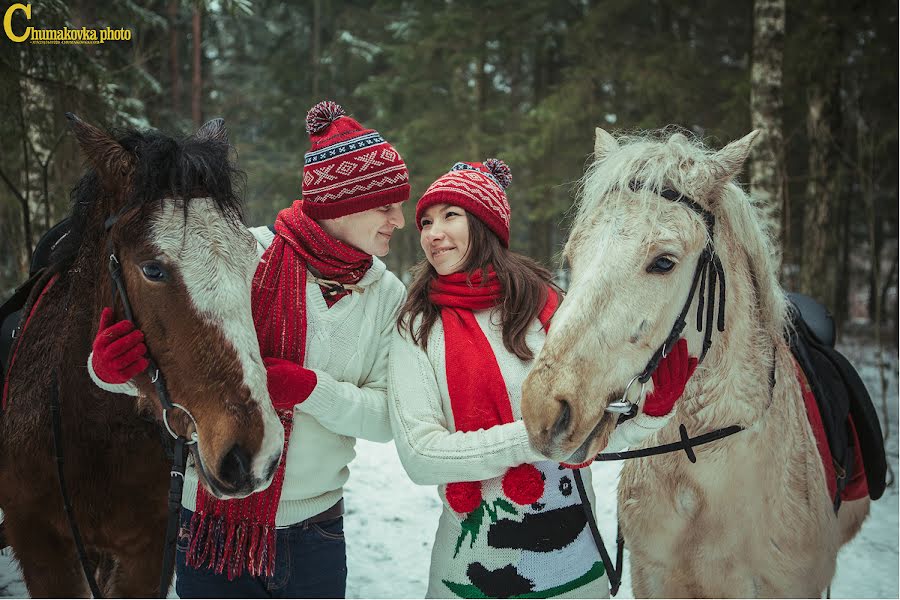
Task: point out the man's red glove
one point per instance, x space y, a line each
119 350
289 383
669 380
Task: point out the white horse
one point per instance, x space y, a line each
753 517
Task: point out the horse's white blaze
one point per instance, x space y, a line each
217 259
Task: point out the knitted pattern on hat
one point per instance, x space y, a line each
348 169
479 188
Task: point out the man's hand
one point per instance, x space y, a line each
119 352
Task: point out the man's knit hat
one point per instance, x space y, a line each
348 169
479 188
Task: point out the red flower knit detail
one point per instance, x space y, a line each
523 484
463 496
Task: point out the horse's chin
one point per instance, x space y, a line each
595 441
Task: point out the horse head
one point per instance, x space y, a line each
646 216
173 225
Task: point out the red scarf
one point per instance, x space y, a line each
478 395
233 535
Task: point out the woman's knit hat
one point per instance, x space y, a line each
348 169
479 188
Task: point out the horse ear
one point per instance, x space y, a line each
604 144
111 160
729 161
214 129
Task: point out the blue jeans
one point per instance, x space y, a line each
310 562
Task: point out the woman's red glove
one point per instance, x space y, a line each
669 380
289 383
119 350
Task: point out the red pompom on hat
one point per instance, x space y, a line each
463 496
479 188
348 169
523 484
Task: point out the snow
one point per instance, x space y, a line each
390 521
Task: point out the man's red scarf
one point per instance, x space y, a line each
230 536
478 395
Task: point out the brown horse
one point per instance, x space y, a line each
187 265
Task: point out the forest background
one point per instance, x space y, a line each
526 81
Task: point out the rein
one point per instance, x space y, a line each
179 458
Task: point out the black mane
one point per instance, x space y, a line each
165 168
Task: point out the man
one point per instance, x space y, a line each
325 353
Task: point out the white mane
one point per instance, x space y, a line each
668 159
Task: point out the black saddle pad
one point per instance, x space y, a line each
11 310
11 317
840 395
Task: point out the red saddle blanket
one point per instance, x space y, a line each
856 487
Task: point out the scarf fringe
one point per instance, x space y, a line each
231 548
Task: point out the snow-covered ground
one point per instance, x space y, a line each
390 521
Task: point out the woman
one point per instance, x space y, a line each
513 522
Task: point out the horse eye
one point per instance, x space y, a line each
662 264
153 271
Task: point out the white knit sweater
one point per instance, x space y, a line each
562 560
347 347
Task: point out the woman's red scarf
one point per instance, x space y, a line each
230 536
478 395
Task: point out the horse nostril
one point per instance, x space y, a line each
235 469
563 420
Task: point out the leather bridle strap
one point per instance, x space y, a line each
115 273
707 274
56 428
179 459
613 571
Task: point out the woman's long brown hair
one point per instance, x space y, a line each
523 284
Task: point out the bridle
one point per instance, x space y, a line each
179 452
176 473
156 376
709 277
707 274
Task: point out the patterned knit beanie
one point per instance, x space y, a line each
476 187
348 169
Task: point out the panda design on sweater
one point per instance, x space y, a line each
541 550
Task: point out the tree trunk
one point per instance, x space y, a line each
197 80
316 47
767 175
817 276
480 100
26 221
841 309
174 58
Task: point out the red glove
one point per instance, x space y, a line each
119 350
669 380
289 383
